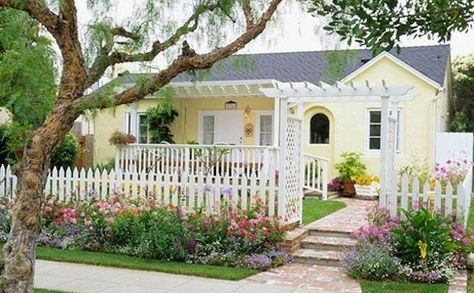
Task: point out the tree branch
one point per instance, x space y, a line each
247 9
104 60
122 32
183 63
37 10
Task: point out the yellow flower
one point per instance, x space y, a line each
423 249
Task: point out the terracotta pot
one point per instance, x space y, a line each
349 189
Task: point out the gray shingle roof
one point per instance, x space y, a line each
312 66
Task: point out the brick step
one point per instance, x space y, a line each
314 257
328 233
327 243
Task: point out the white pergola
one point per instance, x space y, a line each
296 94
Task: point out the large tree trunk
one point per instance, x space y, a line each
19 251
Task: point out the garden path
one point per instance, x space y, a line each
318 256
346 220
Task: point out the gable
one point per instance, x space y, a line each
392 70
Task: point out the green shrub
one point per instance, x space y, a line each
351 166
422 235
372 262
66 153
157 234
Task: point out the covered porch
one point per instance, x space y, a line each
275 174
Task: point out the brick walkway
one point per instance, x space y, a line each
459 285
316 277
311 277
346 220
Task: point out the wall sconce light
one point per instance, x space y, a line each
247 113
230 105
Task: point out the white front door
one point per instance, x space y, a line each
221 127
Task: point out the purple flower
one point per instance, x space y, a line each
258 261
227 191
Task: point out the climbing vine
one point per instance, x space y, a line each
160 118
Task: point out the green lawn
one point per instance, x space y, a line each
314 209
395 287
130 262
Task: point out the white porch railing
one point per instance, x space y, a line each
194 159
316 174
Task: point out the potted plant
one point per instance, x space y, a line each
349 169
367 186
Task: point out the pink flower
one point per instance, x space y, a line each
48 209
88 223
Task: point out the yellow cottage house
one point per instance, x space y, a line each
227 106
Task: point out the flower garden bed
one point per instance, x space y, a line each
145 228
423 247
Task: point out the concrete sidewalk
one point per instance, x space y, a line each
85 278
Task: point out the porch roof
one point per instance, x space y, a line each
219 89
305 92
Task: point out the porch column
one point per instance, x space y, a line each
383 152
300 115
276 122
283 123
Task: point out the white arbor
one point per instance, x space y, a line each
295 94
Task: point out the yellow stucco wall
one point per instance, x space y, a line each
185 126
420 119
350 126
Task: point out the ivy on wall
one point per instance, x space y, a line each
160 118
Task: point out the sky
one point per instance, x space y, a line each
294 30
298 31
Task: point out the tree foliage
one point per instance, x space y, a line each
66 153
463 78
27 79
27 72
381 24
172 29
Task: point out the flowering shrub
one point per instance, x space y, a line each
335 185
367 179
453 171
378 228
145 227
424 246
372 261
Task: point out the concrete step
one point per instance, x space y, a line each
327 233
314 257
327 243
309 193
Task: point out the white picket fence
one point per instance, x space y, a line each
446 199
194 191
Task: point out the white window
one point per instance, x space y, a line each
142 129
142 133
265 129
375 129
208 129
